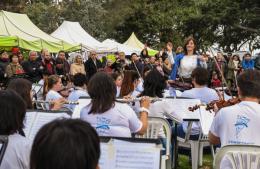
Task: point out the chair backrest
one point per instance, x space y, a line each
155 125
3 146
238 157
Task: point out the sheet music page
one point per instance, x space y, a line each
105 160
42 119
136 157
28 122
206 119
181 106
82 103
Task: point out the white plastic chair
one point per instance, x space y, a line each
155 124
238 157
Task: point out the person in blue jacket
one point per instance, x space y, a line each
187 62
248 62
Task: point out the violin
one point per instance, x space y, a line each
219 103
182 86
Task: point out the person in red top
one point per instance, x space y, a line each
48 64
215 82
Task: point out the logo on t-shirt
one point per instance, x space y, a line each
241 123
103 125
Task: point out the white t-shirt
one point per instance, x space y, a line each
75 95
17 153
187 65
170 57
119 121
52 95
205 94
238 124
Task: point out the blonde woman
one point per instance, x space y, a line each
77 66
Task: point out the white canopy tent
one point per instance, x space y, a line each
73 33
128 50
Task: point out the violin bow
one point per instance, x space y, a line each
222 75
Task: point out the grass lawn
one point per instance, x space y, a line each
184 162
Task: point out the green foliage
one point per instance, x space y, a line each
228 23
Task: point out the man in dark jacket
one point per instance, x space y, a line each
92 65
4 61
32 67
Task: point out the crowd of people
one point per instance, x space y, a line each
74 143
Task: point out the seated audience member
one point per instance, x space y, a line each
12 116
80 89
238 124
200 91
118 78
65 144
14 67
47 64
109 117
54 85
215 82
130 83
77 66
32 67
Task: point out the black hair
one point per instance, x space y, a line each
13 109
200 75
154 84
249 83
11 57
23 88
65 144
115 75
80 79
102 90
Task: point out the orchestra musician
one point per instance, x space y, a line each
237 124
109 117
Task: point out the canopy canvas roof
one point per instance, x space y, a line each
136 43
128 50
18 30
72 32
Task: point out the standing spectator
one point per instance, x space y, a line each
47 65
92 65
234 66
14 68
170 53
248 62
136 64
179 50
77 66
120 63
41 57
144 53
257 62
222 64
32 67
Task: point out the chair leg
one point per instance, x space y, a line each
194 154
201 145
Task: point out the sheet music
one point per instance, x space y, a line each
181 107
82 103
28 122
36 120
206 119
124 155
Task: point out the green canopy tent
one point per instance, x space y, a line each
18 30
